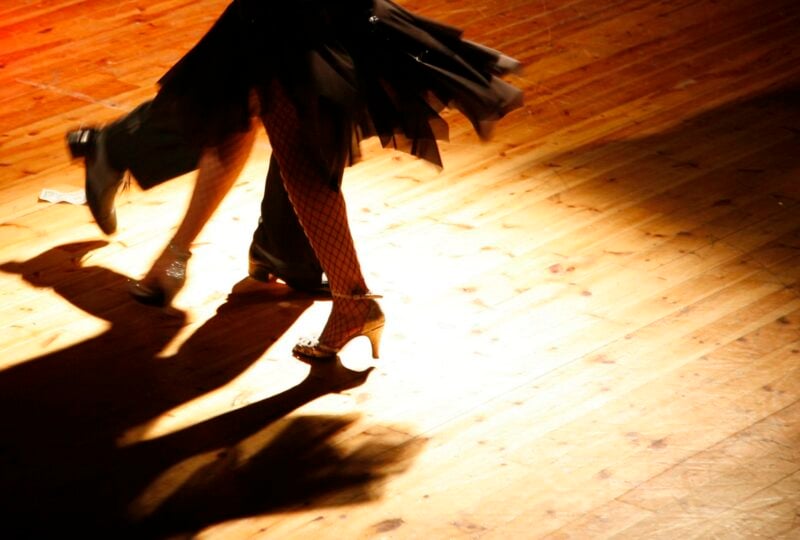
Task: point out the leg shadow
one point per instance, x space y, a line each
62 413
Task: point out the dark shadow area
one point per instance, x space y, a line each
64 472
718 162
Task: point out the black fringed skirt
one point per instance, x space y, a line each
388 72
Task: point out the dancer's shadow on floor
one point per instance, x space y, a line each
62 415
698 168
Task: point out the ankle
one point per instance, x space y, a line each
359 295
179 251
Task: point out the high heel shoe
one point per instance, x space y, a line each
371 328
165 279
102 181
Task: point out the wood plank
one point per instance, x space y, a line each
593 318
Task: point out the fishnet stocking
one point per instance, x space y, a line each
323 215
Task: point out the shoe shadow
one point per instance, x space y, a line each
63 414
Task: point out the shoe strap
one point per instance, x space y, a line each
364 296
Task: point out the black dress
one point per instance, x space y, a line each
386 71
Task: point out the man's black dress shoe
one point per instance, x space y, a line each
266 268
102 181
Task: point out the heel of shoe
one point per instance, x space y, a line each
259 272
81 142
373 326
374 337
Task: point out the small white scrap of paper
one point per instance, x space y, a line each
72 197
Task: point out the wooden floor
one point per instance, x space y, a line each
593 320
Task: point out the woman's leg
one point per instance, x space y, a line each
323 215
218 170
219 167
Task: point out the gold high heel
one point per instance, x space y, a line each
372 329
161 288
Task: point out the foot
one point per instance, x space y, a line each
102 181
165 279
350 318
261 267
